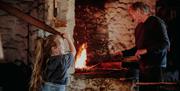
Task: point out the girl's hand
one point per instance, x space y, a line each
65 36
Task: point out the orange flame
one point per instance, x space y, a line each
81 57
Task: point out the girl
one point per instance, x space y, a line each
51 63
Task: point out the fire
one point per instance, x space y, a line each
81 57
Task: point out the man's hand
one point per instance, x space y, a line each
119 53
140 52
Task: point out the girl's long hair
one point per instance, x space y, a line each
42 53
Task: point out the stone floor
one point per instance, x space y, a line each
78 83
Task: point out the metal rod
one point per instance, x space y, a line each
155 83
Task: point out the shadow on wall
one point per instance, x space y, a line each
14 76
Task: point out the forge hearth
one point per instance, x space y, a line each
101 73
105 66
102 67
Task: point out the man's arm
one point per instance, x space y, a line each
160 38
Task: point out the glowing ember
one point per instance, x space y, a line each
81 57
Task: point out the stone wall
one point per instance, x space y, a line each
91 27
64 12
18 35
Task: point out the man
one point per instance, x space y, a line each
151 42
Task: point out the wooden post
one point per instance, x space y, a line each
1 49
